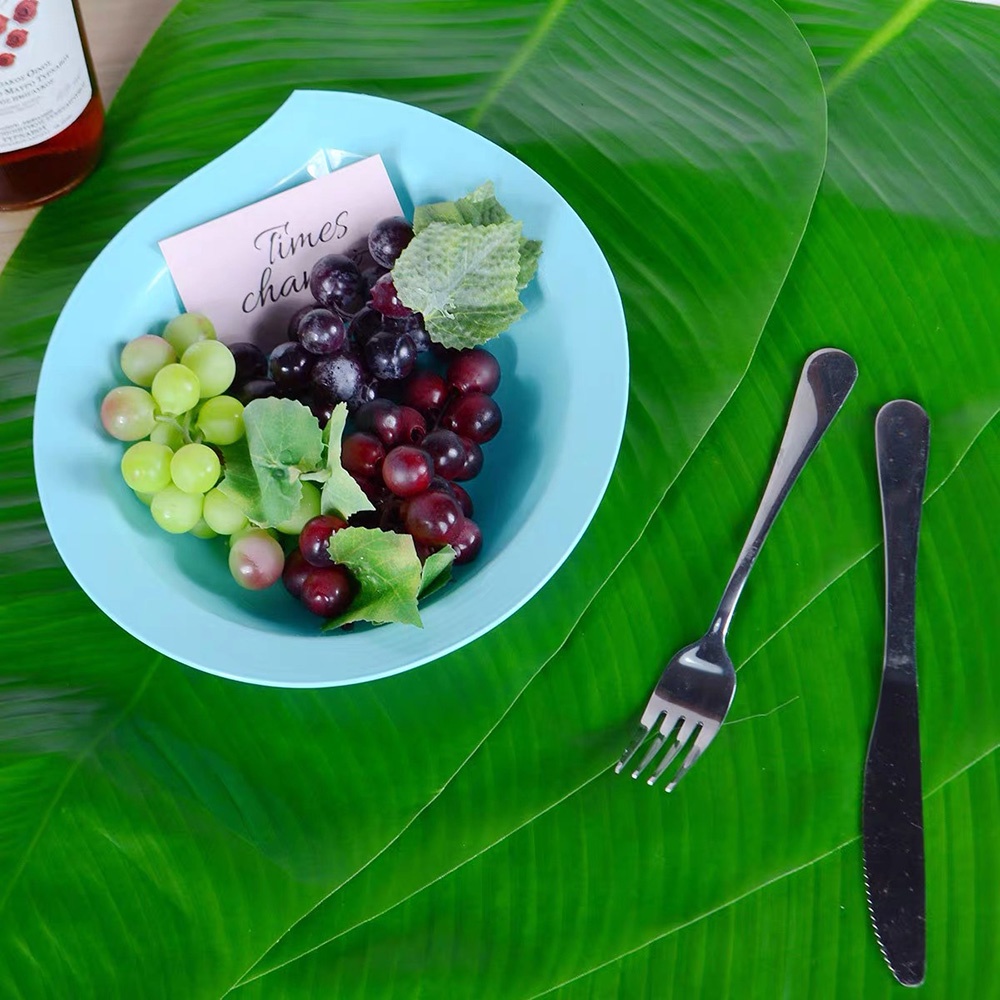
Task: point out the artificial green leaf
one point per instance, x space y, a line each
477 208
463 279
531 253
283 440
341 494
388 572
438 211
216 817
436 571
239 481
480 208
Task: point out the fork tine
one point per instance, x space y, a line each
683 735
637 741
654 749
701 742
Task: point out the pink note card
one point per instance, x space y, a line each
248 271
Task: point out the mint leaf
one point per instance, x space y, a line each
388 572
284 440
463 279
437 571
531 251
239 482
341 494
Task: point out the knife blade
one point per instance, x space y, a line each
892 813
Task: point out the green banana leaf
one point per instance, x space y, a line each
455 831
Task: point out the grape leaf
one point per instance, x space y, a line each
239 483
284 440
436 571
341 494
463 279
388 572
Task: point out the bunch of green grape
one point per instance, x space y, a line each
176 418
174 413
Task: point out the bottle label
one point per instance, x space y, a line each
44 83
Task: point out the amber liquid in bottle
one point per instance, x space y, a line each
37 173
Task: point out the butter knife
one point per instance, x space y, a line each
892 815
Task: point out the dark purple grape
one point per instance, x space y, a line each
372 272
475 416
448 452
441 485
364 326
462 496
412 427
256 388
295 319
295 572
475 370
314 539
473 460
328 592
390 356
434 518
290 365
368 392
383 418
388 239
322 408
336 283
467 543
339 378
407 471
251 362
420 337
385 298
322 332
361 454
426 391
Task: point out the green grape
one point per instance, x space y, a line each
214 365
202 529
176 390
127 413
187 329
146 466
146 498
167 432
307 509
222 515
176 511
143 357
195 468
220 420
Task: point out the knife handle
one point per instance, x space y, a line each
901 440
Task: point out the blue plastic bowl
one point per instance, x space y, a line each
563 397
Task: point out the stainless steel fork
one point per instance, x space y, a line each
694 693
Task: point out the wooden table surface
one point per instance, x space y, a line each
118 30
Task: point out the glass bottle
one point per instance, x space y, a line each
51 116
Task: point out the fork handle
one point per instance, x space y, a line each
826 381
